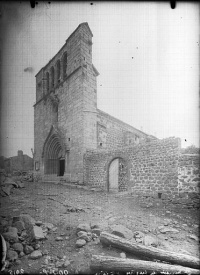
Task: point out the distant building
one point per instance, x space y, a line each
2 159
20 162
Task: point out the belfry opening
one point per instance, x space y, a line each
54 156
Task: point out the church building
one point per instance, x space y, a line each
67 121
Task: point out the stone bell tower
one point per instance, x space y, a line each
65 112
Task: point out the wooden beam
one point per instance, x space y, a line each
107 263
148 251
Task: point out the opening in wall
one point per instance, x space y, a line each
37 166
61 167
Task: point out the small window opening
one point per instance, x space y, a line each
58 72
69 139
65 65
100 144
37 166
52 77
47 77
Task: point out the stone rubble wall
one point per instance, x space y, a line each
188 173
113 133
152 167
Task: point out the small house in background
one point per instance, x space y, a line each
20 162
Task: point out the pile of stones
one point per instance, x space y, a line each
87 233
22 235
8 183
136 236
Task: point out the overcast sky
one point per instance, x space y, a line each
146 53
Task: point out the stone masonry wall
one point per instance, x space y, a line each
113 133
188 173
73 92
152 167
22 163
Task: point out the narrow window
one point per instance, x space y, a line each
56 109
52 77
58 71
47 79
65 65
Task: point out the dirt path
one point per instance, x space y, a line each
67 207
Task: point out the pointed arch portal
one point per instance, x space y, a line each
54 154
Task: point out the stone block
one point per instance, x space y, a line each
28 220
10 237
35 255
37 233
80 242
19 225
122 231
83 227
18 247
28 249
12 255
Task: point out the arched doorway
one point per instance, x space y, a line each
117 175
54 155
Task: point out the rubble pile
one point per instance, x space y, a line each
7 184
87 233
22 235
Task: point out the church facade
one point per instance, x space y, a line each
67 121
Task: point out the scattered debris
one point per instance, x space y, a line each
83 227
168 230
122 231
18 247
150 241
28 249
193 237
12 255
38 233
74 209
59 239
80 242
35 255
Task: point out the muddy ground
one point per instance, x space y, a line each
48 202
